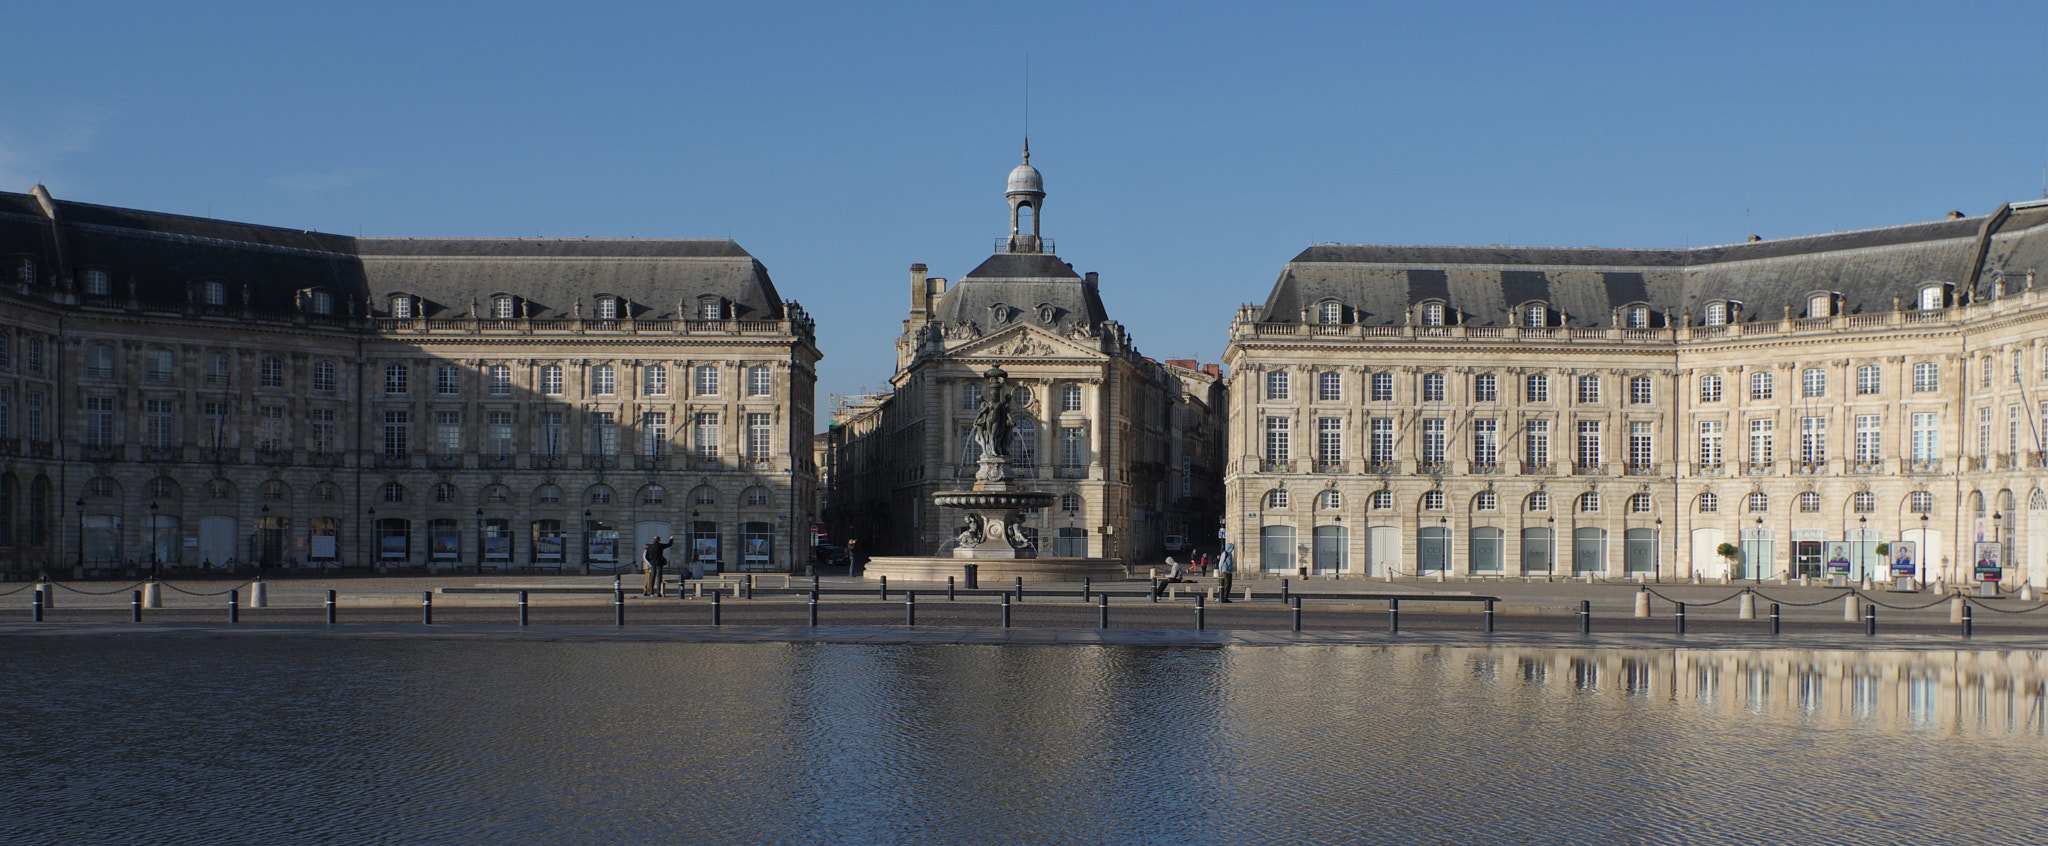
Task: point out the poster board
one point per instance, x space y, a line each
1905 559
1989 567
447 547
1837 558
323 546
548 547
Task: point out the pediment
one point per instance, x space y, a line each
1028 342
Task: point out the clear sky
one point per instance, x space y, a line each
1189 149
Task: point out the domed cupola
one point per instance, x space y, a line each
1026 191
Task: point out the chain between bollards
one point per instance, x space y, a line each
717 619
330 608
1102 610
523 605
426 608
1777 620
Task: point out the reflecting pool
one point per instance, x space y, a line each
247 740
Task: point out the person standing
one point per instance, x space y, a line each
1226 564
656 556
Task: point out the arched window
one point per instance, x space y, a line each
1759 503
102 487
1329 500
1589 502
322 302
1433 500
327 492
501 308
444 492
98 283
275 491
1432 314
220 489
1920 502
401 306
1820 305
1809 502
704 495
1865 502
1539 501
1535 316
393 492
497 493
1717 314
1639 503
598 495
1932 297
755 497
1709 504
653 495
1637 317
1381 500
607 308
162 487
1485 501
547 495
1276 498
213 293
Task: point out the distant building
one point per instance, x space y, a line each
1101 426
1501 411
201 392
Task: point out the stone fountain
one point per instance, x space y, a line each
993 537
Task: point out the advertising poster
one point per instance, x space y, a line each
498 547
1838 558
323 546
604 545
393 546
1988 568
548 548
1905 559
447 547
706 549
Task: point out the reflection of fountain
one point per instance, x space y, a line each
993 537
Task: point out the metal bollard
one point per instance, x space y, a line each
1102 610
39 604
1006 609
814 609
1489 616
746 587
885 588
330 608
259 594
426 608
1020 589
814 581
1283 590
1393 616
1585 616
1870 619
717 618
1679 615
949 588
910 608
1087 589
523 607
1777 621
1969 621
49 592
135 606
1297 615
1201 612
234 606
618 607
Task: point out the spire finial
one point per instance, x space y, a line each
1027 149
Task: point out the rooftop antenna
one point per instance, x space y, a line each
1027 110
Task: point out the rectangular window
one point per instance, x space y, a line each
604 432
1760 387
1710 443
324 432
270 373
1382 440
448 432
970 397
1589 443
704 440
1329 439
654 435
1070 397
707 381
501 380
604 380
1760 447
1710 389
160 365
1589 390
1640 441
395 378
397 433
1485 441
550 433
1329 386
323 376
1813 382
1073 447
99 361
217 368
1432 387
1984 433
1867 439
1382 387
447 380
1485 388
99 422
1276 385
1868 380
161 423
1926 378
1433 441
1813 439
270 428
1536 388
1926 436
1277 447
551 380
760 381
759 437
1536 443
34 423
1639 390
654 380
498 437
217 414
2012 430
6 412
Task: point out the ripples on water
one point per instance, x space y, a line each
277 741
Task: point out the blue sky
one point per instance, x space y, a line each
1189 149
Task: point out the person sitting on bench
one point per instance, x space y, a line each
1174 571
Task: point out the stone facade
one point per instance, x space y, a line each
211 392
1103 428
1624 413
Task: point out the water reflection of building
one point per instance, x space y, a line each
1500 411
1122 441
208 390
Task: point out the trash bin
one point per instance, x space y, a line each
971 575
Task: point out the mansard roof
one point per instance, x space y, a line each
1025 282
1867 268
658 276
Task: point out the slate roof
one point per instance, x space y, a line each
1023 283
1379 283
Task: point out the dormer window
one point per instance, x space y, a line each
710 308
401 307
1637 317
1432 314
501 307
213 293
321 302
98 283
607 308
1329 313
1535 316
1820 305
1717 314
1932 297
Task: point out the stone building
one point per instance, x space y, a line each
200 392
1099 425
1496 411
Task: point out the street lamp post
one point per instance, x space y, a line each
1863 537
586 541
479 542
1656 553
1920 566
155 561
81 537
